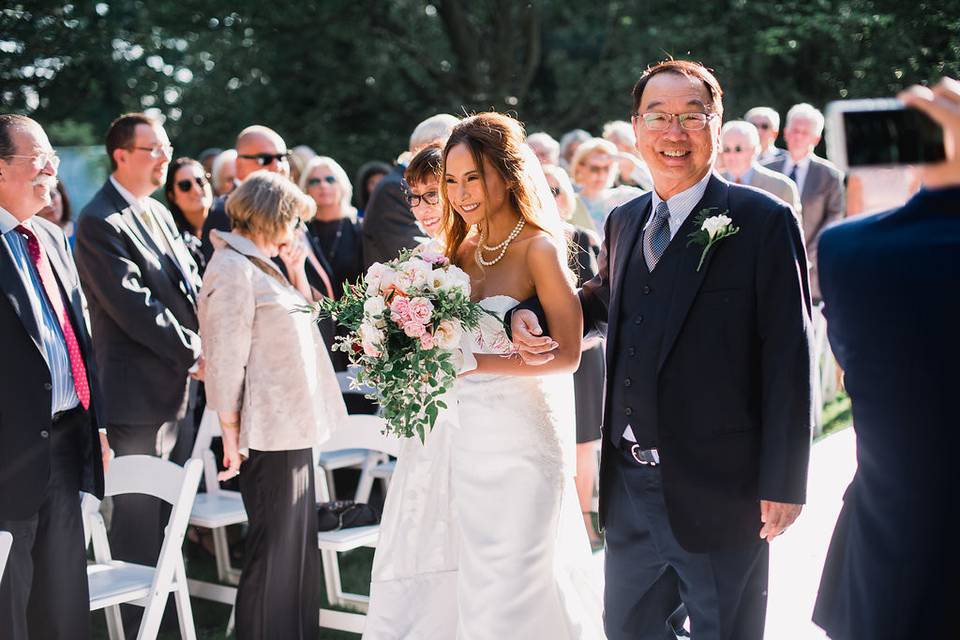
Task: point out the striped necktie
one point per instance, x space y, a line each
657 237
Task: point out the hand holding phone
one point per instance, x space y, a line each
942 104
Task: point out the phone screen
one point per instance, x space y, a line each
891 137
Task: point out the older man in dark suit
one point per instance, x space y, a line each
820 183
49 446
142 285
702 295
890 288
388 224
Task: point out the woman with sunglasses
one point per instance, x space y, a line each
594 170
189 197
334 229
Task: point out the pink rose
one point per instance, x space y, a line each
400 310
420 310
434 257
426 340
414 329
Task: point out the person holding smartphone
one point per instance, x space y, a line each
890 284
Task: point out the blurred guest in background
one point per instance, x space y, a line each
334 227
588 379
300 155
633 170
740 147
819 182
270 380
59 211
568 145
189 197
388 224
369 176
594 170
767 122
422 178
546 148
224 173
207 157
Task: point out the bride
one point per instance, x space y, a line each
524 569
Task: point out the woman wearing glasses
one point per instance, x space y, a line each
270 380
189 197
334 228
594 170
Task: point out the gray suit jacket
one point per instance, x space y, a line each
143 309
823 204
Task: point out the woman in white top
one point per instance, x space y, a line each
594 171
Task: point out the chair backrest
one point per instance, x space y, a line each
6 541
361 431
150 476
208 429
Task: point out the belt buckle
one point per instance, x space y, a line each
635 452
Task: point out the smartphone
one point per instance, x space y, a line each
880 132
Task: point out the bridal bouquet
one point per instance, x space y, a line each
406 320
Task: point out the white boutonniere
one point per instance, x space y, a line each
711 229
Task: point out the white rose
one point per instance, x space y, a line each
448 333
374 306
437 280
715 224
456 278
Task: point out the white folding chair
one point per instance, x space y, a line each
113 582
366 432
6 541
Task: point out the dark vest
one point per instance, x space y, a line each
642 323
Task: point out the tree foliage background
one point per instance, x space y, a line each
352 77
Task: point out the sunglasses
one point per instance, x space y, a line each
186 185
313 182
555 191
736 149
266 159
762 125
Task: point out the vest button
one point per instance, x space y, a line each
628 411
48 386
631 352
627 382
44 434
638 320
646 289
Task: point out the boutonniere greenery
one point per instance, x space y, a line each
711 229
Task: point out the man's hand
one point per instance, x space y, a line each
196 372
942 103
105 453
534 348
776 517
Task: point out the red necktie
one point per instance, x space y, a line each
49 282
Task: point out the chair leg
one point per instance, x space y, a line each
184 611
152 616
331 486
331 577
221 551
114 623
232 621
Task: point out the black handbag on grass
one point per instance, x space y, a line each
345 514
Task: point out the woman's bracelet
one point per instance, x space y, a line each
235 426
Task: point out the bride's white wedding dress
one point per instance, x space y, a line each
525 569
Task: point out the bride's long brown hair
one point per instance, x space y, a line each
498 138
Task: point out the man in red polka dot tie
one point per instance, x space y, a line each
50 449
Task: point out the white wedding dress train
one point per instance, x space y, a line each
525 568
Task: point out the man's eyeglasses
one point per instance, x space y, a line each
157 150
266 159
313 182
555 191
657 121
736 149
186 185
414 200
41 159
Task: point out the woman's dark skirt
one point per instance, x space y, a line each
588 389
279 592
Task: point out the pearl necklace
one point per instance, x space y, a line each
502 247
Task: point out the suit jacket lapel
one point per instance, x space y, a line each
180 259
688 278
14 291
627 239
67 285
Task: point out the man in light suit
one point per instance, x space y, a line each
49 446
890 284
767 122
707 413
142 286
820 183
740 147
388 224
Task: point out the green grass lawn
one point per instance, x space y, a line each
836 415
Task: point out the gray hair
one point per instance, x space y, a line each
343 181
222 159
546 142
743 128
9 122
619 130
570 138
764 112
436 128
808 112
